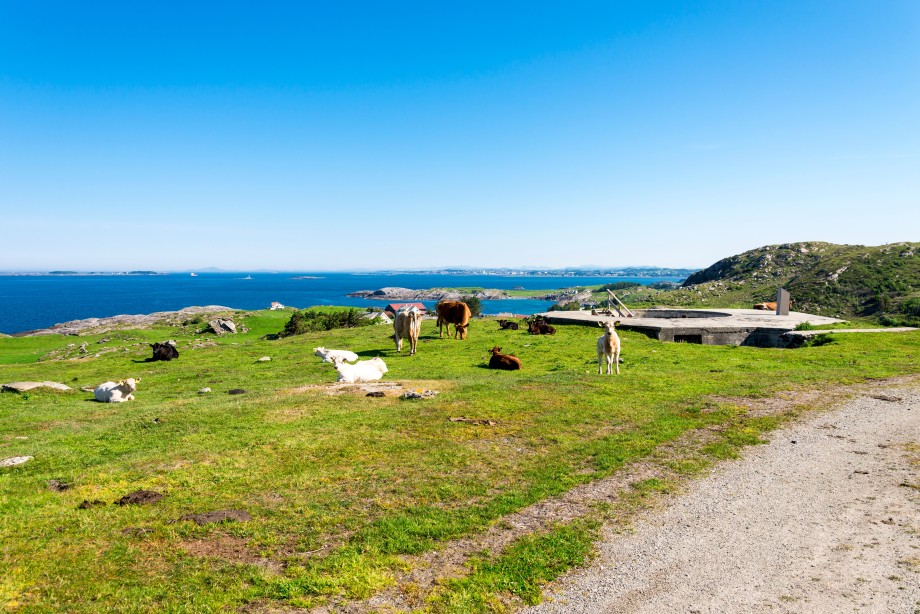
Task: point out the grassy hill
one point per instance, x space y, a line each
823 278
410 502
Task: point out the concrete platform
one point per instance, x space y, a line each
707 326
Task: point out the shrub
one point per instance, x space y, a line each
818 340
474 304
911 307
898 320
311 320
570 306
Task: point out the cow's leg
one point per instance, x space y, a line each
398 343
600 363
616 360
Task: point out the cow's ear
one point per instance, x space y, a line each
617 323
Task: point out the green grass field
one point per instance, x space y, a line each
348 493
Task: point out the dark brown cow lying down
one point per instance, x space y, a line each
503 361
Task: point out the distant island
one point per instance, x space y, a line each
73 273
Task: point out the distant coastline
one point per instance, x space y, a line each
641 272
38 301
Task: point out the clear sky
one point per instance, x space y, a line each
338 135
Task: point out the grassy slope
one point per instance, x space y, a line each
823 278
341 488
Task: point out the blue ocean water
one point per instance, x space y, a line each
29 302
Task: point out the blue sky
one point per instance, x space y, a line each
343 135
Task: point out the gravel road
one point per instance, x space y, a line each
825 518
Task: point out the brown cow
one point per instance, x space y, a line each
770 306
456 313
538 326
503 361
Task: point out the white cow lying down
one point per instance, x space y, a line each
364 371
110 392
329 355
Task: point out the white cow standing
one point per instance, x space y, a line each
408 323
608 347
110 392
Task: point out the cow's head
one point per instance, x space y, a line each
495 350
461 328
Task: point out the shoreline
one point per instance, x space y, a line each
121 322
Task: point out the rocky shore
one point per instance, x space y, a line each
122 322
440 294
433 294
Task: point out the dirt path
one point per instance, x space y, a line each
825 518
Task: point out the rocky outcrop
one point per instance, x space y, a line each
124 322
567 296
433 294
221 326
26 386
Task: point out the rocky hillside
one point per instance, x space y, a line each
823 278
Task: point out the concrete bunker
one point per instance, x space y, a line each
748 327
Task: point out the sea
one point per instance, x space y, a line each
30 302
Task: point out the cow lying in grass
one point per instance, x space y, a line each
164 351
507 325
110 392
539 326
503 361
331 355
769 305
364 371
608 347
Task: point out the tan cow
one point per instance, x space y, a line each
408 323
608 347
456 313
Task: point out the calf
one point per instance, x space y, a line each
608 347
408 323
364 371
507 325
330 355
164 351
503 361
538 326
110 392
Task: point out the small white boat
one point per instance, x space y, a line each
194 274
247 277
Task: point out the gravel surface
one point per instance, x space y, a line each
825 518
